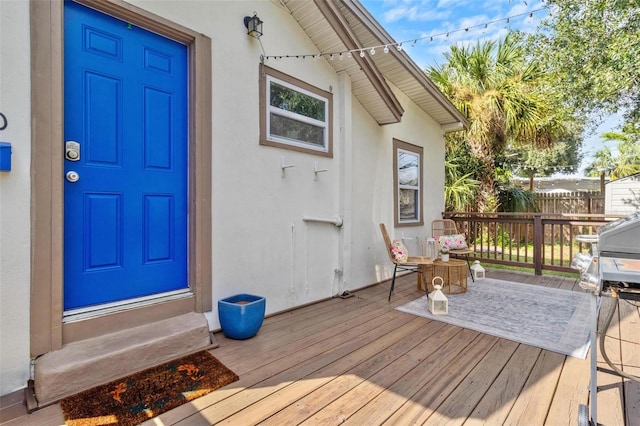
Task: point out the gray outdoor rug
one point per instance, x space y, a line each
548 318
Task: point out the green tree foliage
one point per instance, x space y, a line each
514 199
590 51
461 188
563 157
626 163
496 86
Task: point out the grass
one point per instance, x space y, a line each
530 270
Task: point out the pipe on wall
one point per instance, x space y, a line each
337 221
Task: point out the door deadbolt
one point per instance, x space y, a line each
72 150
72 176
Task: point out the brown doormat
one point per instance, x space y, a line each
141 396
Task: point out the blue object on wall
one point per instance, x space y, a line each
241 315
5 156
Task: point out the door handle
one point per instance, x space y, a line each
72 176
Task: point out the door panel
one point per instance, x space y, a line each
126 216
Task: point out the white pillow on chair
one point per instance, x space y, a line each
399 251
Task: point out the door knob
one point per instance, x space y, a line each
72 176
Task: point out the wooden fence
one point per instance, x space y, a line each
589 202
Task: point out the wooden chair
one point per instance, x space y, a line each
413 263
448 227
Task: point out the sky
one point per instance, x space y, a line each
437 24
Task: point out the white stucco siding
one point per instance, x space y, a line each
261 245
373 186
15 197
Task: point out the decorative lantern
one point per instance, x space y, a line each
478 270
254 25
438 302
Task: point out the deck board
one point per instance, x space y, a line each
359 361
630 332
610 392
458 406
497 402
536 396
438 345
338 384
571 391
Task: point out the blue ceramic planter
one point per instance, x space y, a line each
241 315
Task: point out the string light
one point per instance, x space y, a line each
399 45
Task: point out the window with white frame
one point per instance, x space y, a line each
294 115
407 177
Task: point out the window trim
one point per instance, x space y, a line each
398 146
267 75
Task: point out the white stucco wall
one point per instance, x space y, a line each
261 245
14 196
373 186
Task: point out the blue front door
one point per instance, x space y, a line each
126 151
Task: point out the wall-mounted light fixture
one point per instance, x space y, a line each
254 25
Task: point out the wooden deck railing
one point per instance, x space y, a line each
532 240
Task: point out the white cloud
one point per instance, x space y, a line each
408 20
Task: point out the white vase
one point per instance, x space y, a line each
444 257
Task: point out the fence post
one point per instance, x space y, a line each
537 243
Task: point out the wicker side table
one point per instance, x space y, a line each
453 274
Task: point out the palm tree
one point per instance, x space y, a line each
627 162
494 85
460 188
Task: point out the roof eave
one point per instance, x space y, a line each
348 38
356 8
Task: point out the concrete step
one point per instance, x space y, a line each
82 365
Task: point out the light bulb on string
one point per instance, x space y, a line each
400 45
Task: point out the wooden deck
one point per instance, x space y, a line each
359 361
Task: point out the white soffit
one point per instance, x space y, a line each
327 29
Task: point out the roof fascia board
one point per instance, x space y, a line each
345 33
403 58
